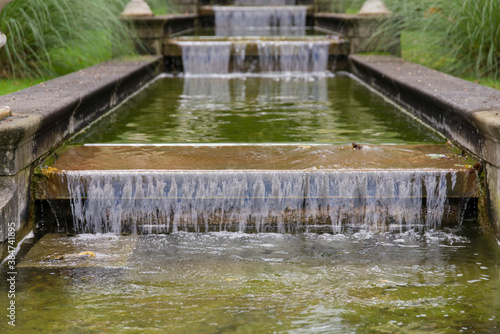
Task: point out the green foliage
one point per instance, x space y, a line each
47 38
457 37
472 34
8 86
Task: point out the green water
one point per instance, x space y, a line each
260 283
258 109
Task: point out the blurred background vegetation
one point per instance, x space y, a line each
459 37
49 38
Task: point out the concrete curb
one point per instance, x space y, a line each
466 112
45 115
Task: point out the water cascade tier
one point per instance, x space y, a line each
258 20
279 188
264 2
219 56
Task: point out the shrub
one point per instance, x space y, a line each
55 37
462 37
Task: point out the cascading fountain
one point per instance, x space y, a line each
293 149
285 47
253 20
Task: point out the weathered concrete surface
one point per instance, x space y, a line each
151 31
361 31
45 115
467 113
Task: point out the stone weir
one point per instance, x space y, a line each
216 55
248 188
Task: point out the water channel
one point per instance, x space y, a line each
400 269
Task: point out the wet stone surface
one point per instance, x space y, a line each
262 157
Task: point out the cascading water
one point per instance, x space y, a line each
293 56
204 58
259 21
338 201
200 57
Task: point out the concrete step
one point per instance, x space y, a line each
162 188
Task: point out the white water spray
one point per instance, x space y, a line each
335 201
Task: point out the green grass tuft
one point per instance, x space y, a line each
55 37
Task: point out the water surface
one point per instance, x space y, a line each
320 108
437 282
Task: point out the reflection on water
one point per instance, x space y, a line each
256 109
261 283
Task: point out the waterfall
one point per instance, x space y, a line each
205 57
274 56
239 21
335 201
293 56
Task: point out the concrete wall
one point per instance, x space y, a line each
467 113
46 115
362 31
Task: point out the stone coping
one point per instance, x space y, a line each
160 18
47 114
465 112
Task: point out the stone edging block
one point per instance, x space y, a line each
466 112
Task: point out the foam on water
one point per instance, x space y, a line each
262 20
333 201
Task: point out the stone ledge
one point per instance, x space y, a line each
362 31
466 112
47 114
